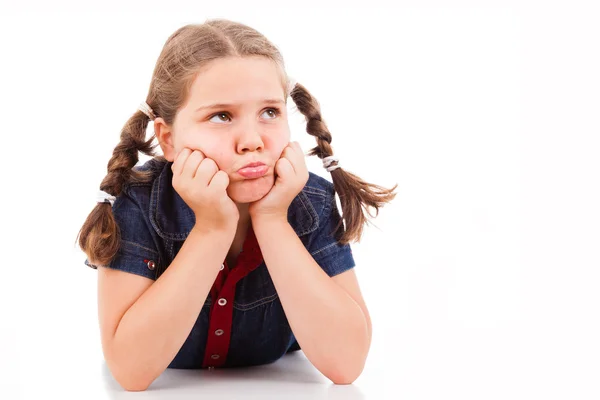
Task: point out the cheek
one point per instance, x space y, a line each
280 144
209 149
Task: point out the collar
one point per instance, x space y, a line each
173 219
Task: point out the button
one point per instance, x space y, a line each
219 332
215 356
222 301
222 267
151 265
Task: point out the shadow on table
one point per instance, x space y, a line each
290 377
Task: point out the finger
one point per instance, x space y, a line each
284 168
219 181
179 162
295 144
191 164
205 171
295 148
291 154
301 153
300 161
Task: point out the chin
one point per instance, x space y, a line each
250 190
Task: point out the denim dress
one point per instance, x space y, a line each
242 322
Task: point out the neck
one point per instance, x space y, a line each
244 220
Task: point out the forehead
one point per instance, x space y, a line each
236 80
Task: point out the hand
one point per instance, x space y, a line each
291 175
203 187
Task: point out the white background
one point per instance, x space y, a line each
481 277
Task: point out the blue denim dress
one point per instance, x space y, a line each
154 222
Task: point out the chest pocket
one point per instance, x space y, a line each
251 291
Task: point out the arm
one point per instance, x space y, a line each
154 328
329 325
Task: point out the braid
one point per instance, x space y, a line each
315 126
354 193
99 237
125 155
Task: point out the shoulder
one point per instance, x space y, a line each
323 243
318 186
140 192
312 205
321 194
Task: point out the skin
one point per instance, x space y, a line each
328 315
249 130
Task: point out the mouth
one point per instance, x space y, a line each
253 164
253 172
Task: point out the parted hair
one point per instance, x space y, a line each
185 52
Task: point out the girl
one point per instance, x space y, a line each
226 251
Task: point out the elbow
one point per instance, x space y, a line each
349 369
345 378
131 385
129 376
346 374
337 381
130 382
134 387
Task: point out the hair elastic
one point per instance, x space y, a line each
104 197
145 108
327 161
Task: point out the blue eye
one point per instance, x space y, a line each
276 113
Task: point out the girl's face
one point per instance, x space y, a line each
235 114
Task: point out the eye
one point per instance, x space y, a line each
275 112
218 114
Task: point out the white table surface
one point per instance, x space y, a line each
55 350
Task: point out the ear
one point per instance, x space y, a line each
164 135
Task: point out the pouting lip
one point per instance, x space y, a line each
253 164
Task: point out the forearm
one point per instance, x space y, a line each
328 324
155 327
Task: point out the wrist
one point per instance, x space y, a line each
269 220
222 230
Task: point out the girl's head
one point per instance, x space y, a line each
235 113
222 61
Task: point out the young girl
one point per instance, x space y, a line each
226 251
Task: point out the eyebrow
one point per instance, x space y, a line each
228 105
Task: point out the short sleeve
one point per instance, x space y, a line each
137 252
333 257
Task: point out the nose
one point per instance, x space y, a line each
250 140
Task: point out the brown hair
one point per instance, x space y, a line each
185 52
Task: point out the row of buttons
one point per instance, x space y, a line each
151 265
219 332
